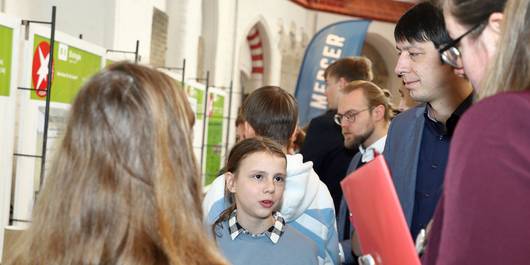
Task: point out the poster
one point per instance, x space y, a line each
9 35
71 69
74 62
6 52
215 135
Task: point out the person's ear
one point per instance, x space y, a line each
495 22
492 33
230 182
379 112
248 131
342 83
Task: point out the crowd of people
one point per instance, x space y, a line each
125 188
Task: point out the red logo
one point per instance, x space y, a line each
39 71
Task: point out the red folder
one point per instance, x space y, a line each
377 215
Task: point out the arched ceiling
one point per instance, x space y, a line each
383 10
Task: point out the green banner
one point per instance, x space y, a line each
6 51
72 68
214 143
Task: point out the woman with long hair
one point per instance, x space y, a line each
484 212
124 187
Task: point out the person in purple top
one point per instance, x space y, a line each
484 212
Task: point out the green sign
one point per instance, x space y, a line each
72 68
6 50
109 62
214 143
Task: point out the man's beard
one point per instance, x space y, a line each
358 140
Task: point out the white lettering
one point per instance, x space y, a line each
319 87
2 70
67 75
320 75
324 63
1 61
331 52
319 101
74 57
335 40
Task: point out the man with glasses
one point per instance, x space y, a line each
323 141
418 140
364 113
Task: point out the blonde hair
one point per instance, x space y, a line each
374 95
510 68
124 187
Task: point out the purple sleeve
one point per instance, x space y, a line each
484 214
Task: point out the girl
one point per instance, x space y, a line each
124 187
250 231
484 212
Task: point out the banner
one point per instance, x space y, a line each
335 41
9 36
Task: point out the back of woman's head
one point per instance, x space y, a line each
510 69
124 187
473 12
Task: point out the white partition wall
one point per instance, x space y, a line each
75 61
9 36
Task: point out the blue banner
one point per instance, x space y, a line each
335 41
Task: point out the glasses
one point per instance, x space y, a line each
349 116
450 54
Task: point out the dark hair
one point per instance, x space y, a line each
272 113
239 118
473 12
350 68
239 152
421 23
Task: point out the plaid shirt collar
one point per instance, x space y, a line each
273 233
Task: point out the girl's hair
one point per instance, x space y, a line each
124 187
510 68
473 12
239 152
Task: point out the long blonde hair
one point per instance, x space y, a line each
124 187
510 68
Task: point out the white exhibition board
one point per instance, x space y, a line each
75 61
215 135
9 37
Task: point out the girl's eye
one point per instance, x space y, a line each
279 178
258 176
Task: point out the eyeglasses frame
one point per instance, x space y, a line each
337 118
452 45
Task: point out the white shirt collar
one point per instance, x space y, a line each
368 153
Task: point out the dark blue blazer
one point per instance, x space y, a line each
402 149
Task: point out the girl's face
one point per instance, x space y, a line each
258 187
